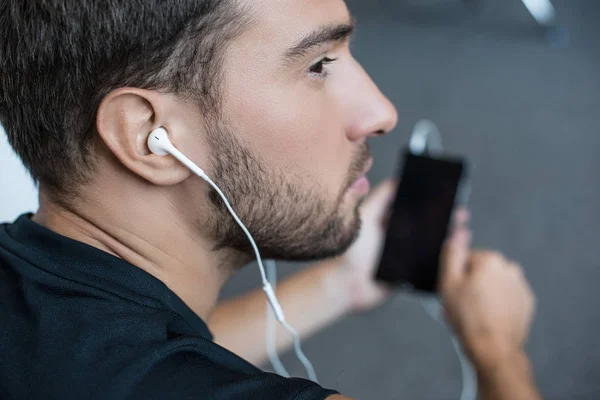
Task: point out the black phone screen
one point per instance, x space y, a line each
419 221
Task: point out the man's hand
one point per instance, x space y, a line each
359 263
486 297
490 305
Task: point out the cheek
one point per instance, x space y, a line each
301 134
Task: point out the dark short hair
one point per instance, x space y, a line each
59 58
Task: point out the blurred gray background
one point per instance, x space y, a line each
526 114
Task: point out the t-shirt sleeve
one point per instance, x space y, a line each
189 376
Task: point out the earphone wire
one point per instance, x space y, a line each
271 332
271 336
267 288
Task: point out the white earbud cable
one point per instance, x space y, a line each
267 288
433 308
426 137
271 336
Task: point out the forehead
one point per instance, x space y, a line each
277 22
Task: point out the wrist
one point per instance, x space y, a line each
489 353
504 373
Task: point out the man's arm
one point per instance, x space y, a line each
500 377
311 299
490 306
507 377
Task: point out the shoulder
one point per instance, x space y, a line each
188 373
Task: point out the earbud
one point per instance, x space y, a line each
159 143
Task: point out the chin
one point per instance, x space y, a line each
311 234
331 242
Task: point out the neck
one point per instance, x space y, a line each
165 245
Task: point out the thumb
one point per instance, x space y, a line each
453 260
377 204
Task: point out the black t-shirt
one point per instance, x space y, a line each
79 323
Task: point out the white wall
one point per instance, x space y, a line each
18 194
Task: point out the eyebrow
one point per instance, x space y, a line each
325 34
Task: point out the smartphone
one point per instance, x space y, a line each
430 188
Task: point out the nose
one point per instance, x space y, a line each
372 113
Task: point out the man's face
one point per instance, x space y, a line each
290 144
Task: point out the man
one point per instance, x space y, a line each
108 289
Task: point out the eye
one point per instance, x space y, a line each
318 68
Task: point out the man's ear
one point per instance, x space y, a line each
124 120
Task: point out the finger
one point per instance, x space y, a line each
485 259
461 232
454 257
513 265
461 217
487 256
378 202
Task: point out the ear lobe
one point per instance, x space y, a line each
124 120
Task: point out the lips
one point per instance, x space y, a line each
361 184
365 169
